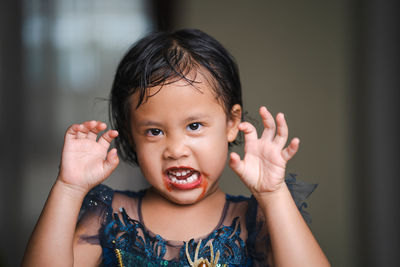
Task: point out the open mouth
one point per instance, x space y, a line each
183 177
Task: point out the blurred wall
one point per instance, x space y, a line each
12 110
294 57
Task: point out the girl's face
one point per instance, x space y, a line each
181 136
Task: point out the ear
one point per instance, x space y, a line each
234 119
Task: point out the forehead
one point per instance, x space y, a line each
199 84
177 99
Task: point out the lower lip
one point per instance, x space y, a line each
186 186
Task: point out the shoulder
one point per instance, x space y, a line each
100 204
129 201
103 200
97 200
99 194
242 206
237 206
106 194
239 198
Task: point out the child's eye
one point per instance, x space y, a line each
194 126
153 132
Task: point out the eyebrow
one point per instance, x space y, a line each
198 117
149 123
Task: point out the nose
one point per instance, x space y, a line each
175 148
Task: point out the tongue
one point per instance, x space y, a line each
184 177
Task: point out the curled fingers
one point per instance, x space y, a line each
111 161
75 132
94 128
282 130
269 124
249 131
107 137
236 163
291 149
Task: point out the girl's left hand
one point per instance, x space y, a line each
263 166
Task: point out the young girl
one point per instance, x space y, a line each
176 106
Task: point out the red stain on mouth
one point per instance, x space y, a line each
167 185
200 183
182 178
203 186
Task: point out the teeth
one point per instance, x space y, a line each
190 179
178 174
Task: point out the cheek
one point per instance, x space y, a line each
146 158
212 151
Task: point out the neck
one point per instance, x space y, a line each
153 197
182 222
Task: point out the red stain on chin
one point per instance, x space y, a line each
167 185
203 185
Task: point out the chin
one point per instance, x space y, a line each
185 197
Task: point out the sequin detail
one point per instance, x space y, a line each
119 256
201 262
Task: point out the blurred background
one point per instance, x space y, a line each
331 66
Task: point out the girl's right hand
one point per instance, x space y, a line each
85 160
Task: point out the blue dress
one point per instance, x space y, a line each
239 239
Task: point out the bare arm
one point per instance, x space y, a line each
263 172
85 163
292 242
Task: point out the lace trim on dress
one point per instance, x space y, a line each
136 246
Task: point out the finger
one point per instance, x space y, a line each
281 130
111 162
81 132
250 132
291 149
236 163
94 127
72 131
269 124
106 138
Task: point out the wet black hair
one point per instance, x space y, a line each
162 58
